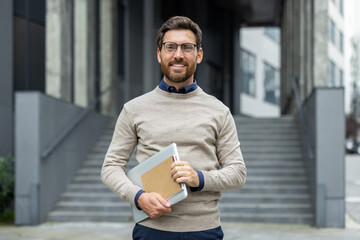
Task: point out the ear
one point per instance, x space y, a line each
200 55
158 56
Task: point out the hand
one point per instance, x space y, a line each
153 204
182 172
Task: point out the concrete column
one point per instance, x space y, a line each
6 76
84 47
59 49
151 66
107 56
320 39
134 50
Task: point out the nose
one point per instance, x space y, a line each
179 53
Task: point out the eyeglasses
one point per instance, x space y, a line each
171 48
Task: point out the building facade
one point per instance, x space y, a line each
336 43
312 48
260 72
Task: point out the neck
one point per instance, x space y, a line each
179 85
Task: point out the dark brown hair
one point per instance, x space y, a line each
179 23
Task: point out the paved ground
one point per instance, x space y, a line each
233 231
353 186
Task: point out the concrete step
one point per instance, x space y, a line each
89 171
271 155
271 164
105 138
120 206
89 188
271 149
87 179
273 143
264 198
274 189
276 172
273 130
265 208
89 197
248 127
288 218
270 137
87 216
241 122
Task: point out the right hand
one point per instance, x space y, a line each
153 204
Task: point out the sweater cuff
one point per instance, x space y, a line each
137 198
201 183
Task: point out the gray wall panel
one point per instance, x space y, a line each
39 182
325 120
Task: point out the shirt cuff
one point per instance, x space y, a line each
137 198
201 183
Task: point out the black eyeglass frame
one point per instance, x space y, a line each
181 45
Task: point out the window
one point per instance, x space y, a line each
341 77
331 31
341 7
273 33
248 72
271 84
332 73
341 42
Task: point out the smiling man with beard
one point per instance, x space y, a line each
178 111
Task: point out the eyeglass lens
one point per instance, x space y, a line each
187 48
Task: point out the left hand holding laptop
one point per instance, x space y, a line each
153 204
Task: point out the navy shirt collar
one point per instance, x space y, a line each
172 89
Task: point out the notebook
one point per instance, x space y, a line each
154 175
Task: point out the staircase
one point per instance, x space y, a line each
87 199
276 190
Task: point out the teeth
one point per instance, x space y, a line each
178 65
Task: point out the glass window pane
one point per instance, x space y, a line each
332 73
341 42
248 73
271 84
331 31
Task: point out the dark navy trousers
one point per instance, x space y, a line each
145 233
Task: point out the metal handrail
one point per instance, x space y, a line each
76 120
302 117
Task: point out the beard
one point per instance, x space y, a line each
177 77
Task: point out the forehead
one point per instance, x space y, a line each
180 36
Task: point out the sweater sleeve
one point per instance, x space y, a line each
232 174
122 144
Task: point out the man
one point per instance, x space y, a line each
178 111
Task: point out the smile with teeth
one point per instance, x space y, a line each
177 66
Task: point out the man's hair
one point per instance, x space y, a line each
179 23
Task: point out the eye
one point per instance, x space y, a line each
171 46
188 47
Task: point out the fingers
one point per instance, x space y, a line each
153 204
182 172
162 201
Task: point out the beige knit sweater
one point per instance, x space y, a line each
205 133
